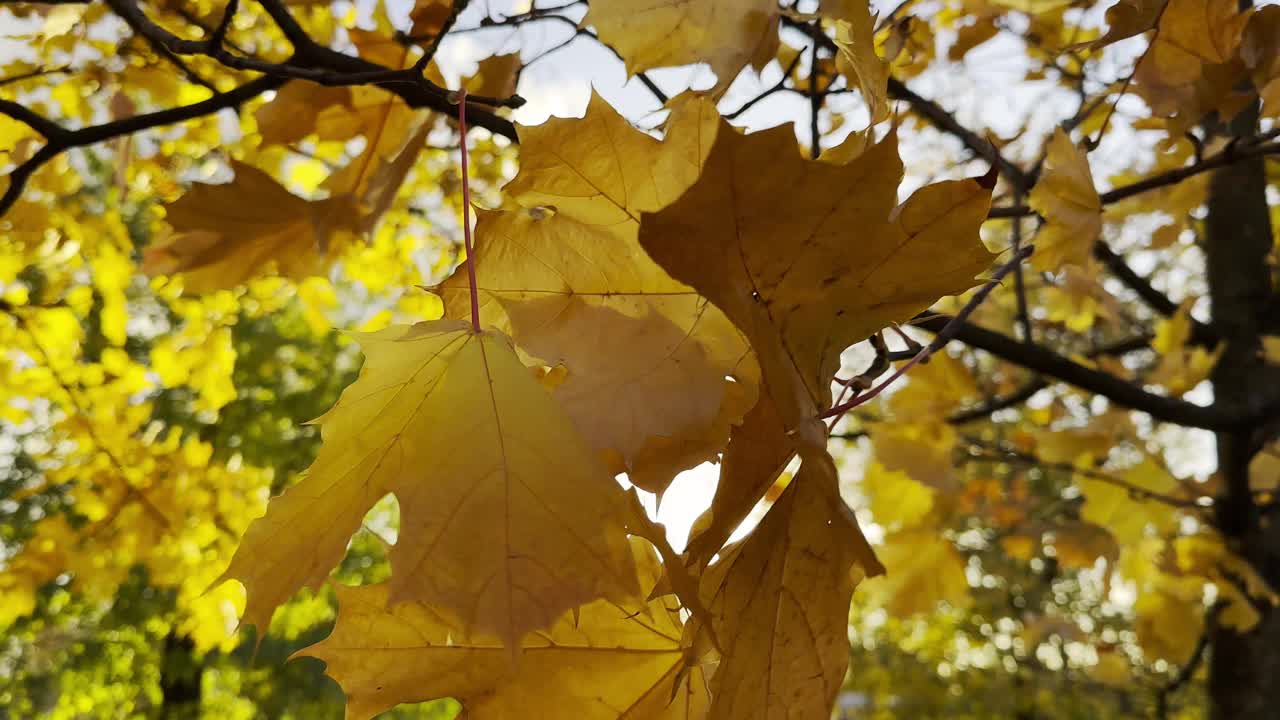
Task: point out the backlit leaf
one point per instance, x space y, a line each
780 600
224 234
1066 198
725 34
858 61
808 257
602 662
455 426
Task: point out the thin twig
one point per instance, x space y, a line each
466 213
1188 668
1042 360
1019 283
1233 153
1005 454
943 336
815 102
777 87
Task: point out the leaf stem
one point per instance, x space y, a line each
941 339
466 212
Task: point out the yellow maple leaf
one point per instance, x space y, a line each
601 171
429 17
1241 588
934 390
725 34
1260 52
1079 545
575 289
897 501
1182 366
636 666
1126 19
804 264
459 430
1066 198
395 132
857 59
224 234
1191 35
758 452
1264 470
589 299
294 112
797 283
496 76
780 602
1112 669
922 570
1169 621
923 450
1114 506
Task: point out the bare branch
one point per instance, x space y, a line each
1042 360
325 66
1188 668
1232 154
61 139
982 451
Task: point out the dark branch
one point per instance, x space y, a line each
1201 334
1042 360
1188 668
1232 154
323 65
61 139
219 34
996 404
38 72
979 450
163 51
31 118
984 410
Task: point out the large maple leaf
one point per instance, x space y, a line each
808 258
225 233
601 663
780 600
1066 198
508 519
573 287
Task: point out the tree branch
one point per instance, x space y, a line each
1003 453
1233 153
319 64
60 139
1201 333
1042 360
1188 668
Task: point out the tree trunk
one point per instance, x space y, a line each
179 679
1244 671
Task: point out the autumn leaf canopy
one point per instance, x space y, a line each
363 336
